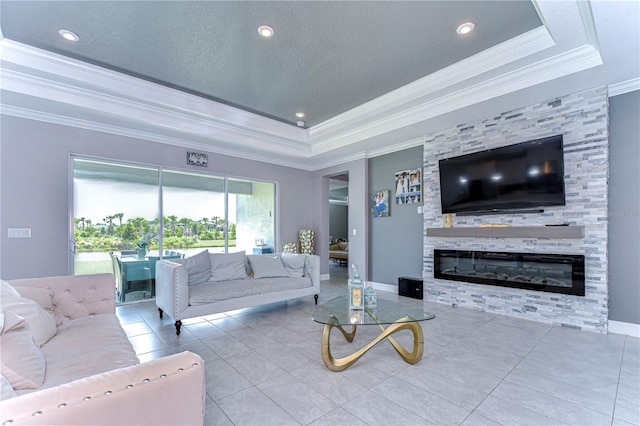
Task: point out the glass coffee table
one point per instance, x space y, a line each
389 316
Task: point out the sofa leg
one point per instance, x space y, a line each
178 325
315 296
160 311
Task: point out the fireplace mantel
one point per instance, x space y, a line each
553 232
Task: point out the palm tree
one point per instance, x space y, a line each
119 217
205 222
173 220
186 226
109 220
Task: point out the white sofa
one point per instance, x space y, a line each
210 283
66 360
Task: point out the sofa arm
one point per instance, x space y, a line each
172 288
77 296
312 269
169 390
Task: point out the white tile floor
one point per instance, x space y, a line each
263 367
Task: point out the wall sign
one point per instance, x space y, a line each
197 159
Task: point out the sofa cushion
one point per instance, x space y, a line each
198 267
40 323
267 266
21 361
205 293
87 346
294 263
228 266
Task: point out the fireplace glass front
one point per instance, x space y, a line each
556 273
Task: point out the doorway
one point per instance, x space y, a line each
338 220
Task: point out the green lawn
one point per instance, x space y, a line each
213 243
93 267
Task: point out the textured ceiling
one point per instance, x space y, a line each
325 58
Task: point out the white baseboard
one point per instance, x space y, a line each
385 287
626 328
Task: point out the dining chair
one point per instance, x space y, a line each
117 272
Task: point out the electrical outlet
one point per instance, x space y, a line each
18 232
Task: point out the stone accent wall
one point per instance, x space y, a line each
582 119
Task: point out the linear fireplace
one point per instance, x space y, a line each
556 273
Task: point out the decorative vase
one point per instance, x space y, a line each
290 248
448 220
307 239
142 252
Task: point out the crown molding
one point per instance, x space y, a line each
576 60
624 87
69 81
390 149
505 53
84 124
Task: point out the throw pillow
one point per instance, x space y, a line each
10 321
267 266
198 267
228 266
22 362
294 263
42 296
40 323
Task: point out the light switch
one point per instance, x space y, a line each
419 209
354 231
19 233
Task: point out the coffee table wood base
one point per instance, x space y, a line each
341 364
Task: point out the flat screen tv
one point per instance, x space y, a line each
527 175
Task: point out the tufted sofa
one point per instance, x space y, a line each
210 283
67 360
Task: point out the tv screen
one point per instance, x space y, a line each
522 176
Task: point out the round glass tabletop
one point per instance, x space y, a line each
387 312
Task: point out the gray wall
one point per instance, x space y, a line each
395 243
338 221
624 207
34 163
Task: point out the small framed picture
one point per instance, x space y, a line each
380 204
197 159
409 186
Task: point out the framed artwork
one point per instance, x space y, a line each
197 159
380 204
409 186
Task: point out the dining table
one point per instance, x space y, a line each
138 273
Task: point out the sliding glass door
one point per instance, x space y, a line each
126 217
194 213
115 207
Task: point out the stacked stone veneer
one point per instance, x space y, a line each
582 119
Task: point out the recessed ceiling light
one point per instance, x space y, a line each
266 31
300 114
69 35
300 123
465 28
